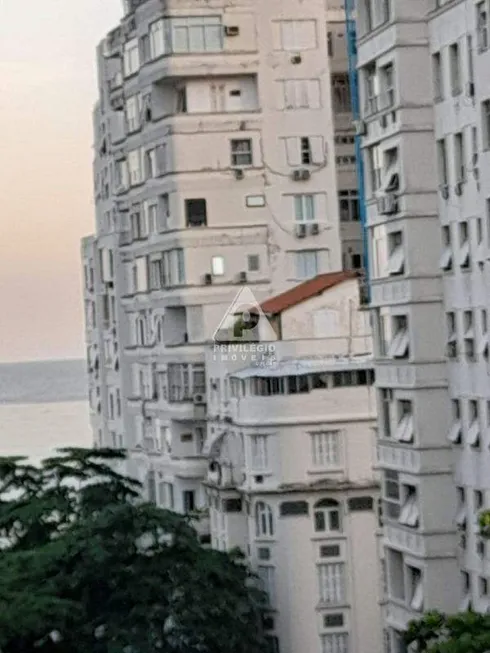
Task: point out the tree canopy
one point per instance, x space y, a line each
86 567
466 632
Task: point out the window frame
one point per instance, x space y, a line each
241 152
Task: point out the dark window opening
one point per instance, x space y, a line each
196 213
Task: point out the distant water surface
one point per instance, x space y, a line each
43 406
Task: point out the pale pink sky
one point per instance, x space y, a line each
47 89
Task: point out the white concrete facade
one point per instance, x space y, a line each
291 447
223 157
424 74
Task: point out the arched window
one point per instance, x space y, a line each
264 520
327 516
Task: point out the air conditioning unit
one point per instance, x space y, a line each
199 399
314 229
387 204
301 174
360 127
296 59
300 230
458 188
232 30
242 277
207 279
239 174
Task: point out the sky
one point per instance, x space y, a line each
47 91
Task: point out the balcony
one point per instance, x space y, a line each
398 616
194 468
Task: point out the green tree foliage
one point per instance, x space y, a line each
466 632
86 567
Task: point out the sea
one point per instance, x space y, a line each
43 406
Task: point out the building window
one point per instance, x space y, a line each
482 26
173 264
264 520
299 94
306 264
196 213
327 516
400 343
391 494
297 35
375 166
455 69
438 77
305 151
473 433
446 262
485 114
341 100
217 266
416 589
464 246
181 99
267 583
188 500
371 89
386 396
150 164
325 448
158 45
241 152
135 167
260 460
396 253
304 208
335 643
349 206
331 581
482 586
197 34
253 263
387 79
452 338
133 112
442 162
131 57
409 513
405 428
459 158
456 431
185 380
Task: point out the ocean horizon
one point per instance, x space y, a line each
43 407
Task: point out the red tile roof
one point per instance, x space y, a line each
306 290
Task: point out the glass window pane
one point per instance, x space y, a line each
179 39
320 521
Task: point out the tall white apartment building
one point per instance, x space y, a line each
223 157
291 449
424 78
